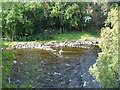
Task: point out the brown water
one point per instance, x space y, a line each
40 68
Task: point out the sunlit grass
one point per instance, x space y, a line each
89 35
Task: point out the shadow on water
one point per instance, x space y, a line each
40 68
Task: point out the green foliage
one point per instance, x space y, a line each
98 13
7 62
26 19
46 35
106 69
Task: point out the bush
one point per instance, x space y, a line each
45 35
106 67
48 34
7 62
32 37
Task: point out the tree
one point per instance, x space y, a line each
31 19
106 69
12 19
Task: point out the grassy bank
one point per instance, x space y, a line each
85 35
89 35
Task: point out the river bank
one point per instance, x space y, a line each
47 46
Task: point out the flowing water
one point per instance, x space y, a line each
39 68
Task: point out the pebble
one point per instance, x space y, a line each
56 73
15 62
67 64
53 44
84 83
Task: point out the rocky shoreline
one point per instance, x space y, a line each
47 46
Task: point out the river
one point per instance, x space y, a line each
38 68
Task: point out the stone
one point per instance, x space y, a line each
47 46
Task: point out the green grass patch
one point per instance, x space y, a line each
88 34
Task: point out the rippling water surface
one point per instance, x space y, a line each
40 68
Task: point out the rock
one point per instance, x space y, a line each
73 43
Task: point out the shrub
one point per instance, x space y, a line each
45 35
106 67
7 62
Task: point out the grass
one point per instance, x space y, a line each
76 35
85 35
